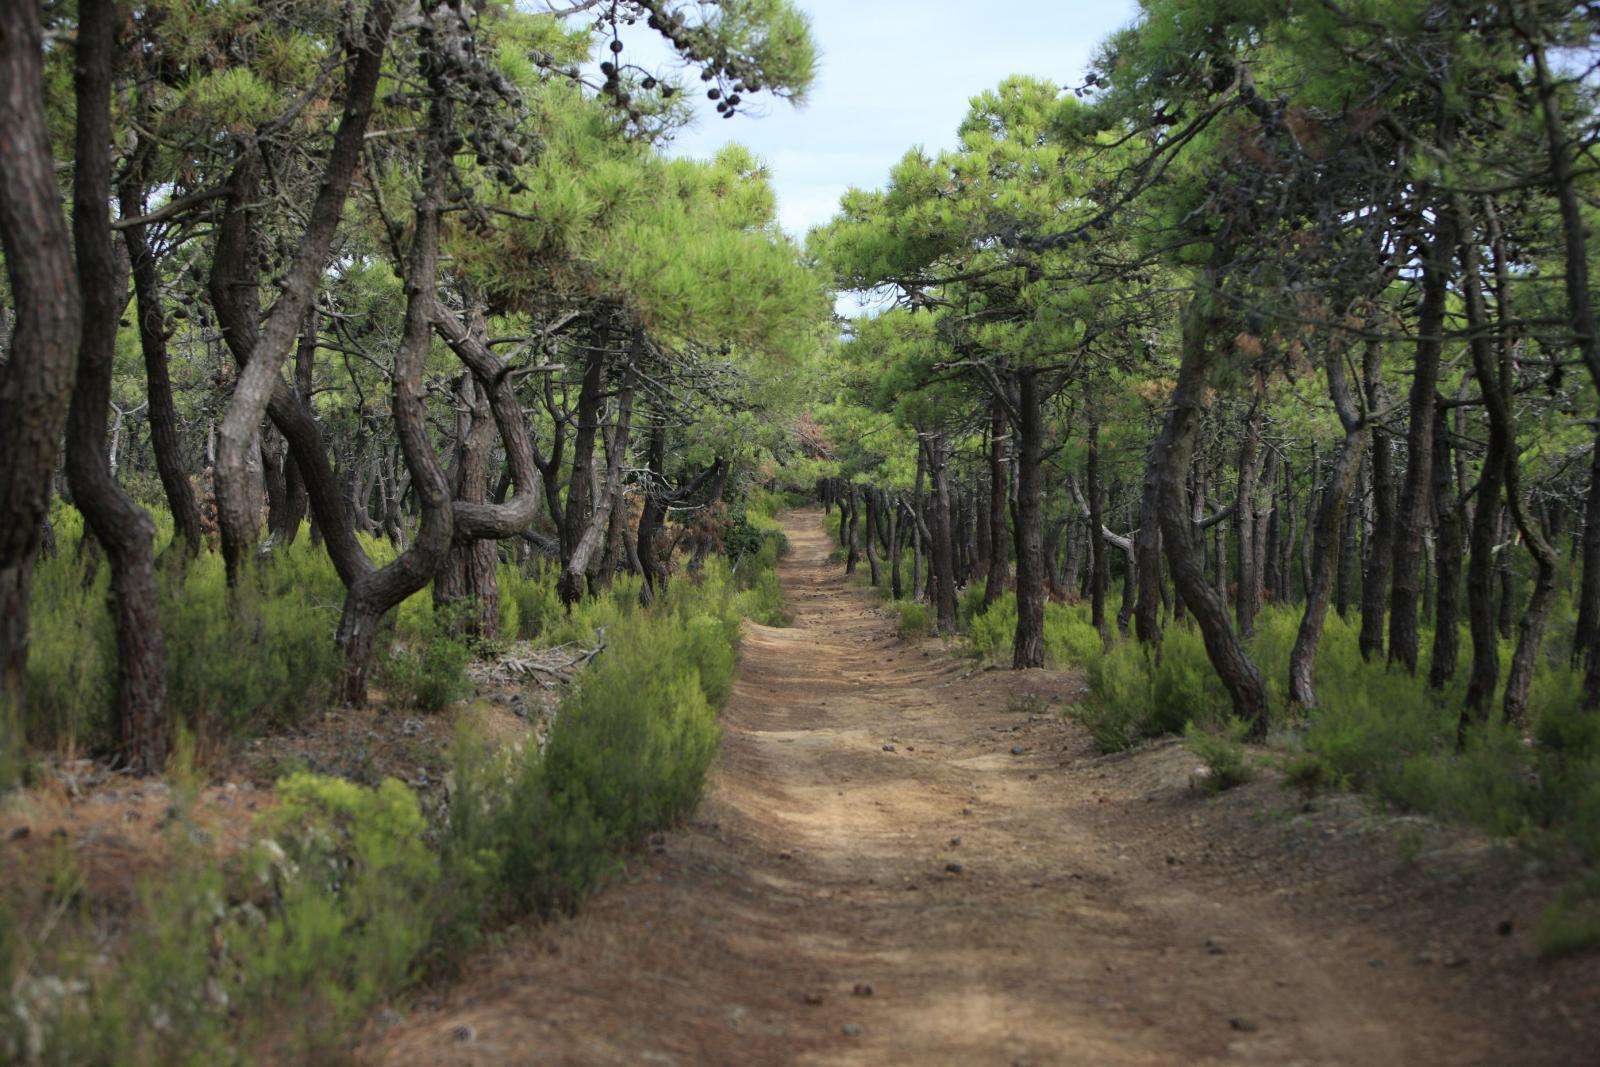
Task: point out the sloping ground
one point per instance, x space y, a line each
905 860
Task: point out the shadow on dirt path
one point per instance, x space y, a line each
893 866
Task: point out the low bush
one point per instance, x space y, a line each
1222 751
914 618
348 893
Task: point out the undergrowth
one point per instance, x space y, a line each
346 893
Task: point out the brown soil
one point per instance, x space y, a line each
990 891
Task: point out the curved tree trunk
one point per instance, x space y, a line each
260 354
1325 538
121 527
374 593
1375 574
188 531
36 380
1172 455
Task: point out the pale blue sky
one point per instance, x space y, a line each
894 74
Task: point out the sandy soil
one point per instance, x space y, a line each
905 859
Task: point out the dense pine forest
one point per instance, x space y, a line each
476 587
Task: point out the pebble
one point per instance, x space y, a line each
850 1030
813 998
888 748
464 1033
20 832
862 989
1017 750
1214 947
955 842
1242 1025
954 868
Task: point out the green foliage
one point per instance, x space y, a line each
1571 924
1223 753
237 661
428 671
530 598
915 619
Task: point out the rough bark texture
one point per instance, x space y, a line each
189 534
37 378
1411 517
1172 455
374 593
1028 644
1448 520
941 555
468 576
262 362
122 528
1326 537
995 581
1379 554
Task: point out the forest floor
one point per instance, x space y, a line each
904 858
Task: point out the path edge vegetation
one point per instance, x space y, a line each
346 895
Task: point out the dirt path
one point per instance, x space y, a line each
966 897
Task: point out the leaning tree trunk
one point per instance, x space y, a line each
36 380
261 353
1326 537
374 593
1172 455
1411 517
121 527
188 530
580 484
1027 648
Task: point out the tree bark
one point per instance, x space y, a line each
36 379
1099 564
374 593
1326 536
1173 454
1028 643
941 560
1375 576
1411 517
188 531
122 528
1447 559
261 353
995 581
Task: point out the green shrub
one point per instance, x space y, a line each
529 600
1571 924
1220 749
991 633
914 619
429 671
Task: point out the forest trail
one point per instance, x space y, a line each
1000 909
